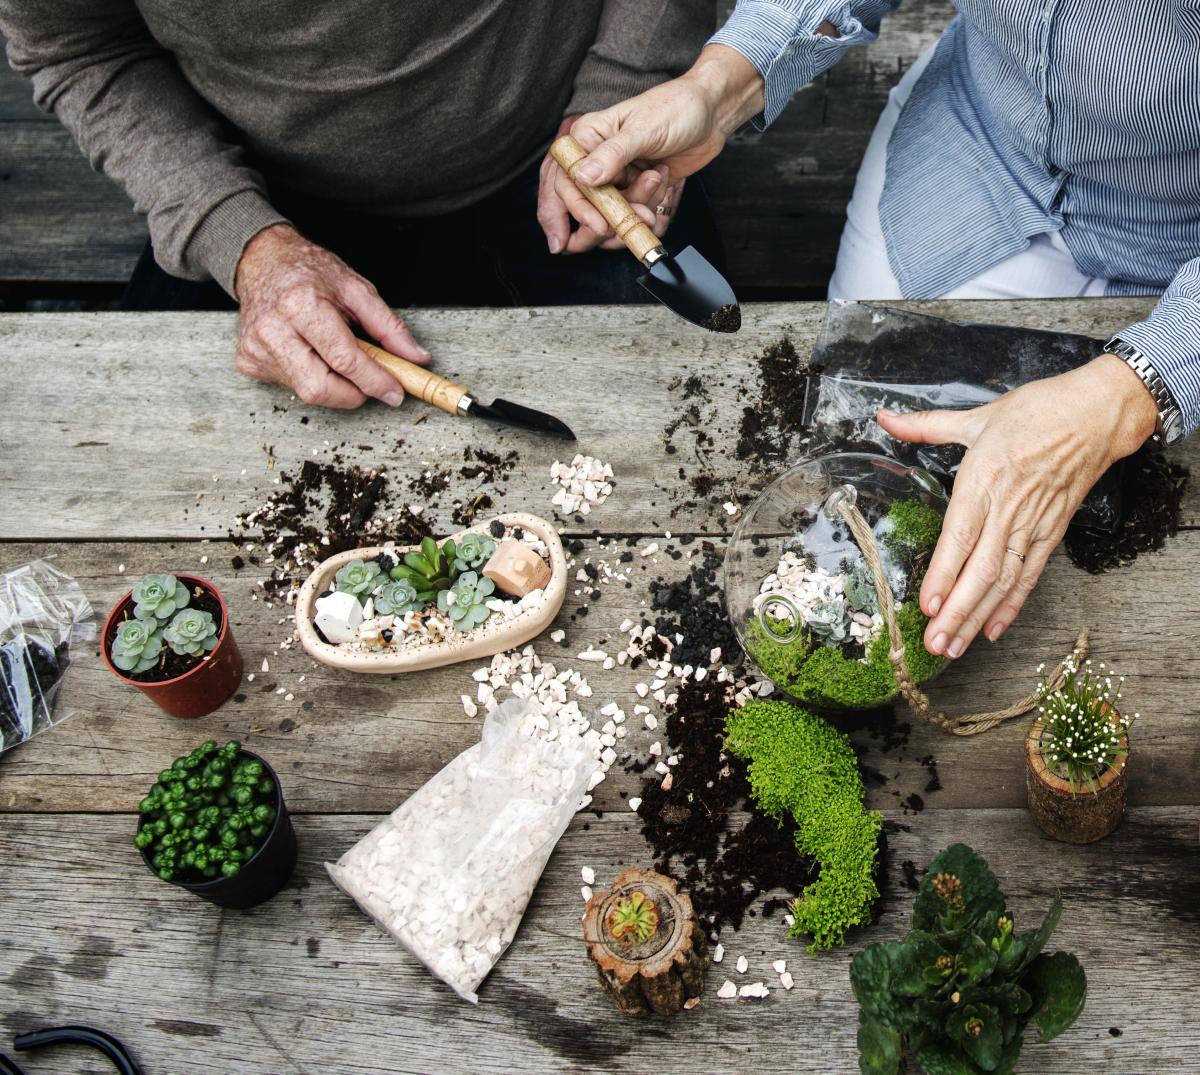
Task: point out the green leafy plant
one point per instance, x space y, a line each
207 814
159 597
397 597
632 920
466 601
192 632
801 765
474 550
1083 732
431 570
829 622
137 645
357 578
962 986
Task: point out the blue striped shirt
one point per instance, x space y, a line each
1033 116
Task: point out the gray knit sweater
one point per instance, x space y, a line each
401 107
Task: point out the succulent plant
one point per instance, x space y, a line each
474 550
191 633
829 622
396 597
159 597
357 578
961 987
858 587
431 570
137 645
632 920
466 601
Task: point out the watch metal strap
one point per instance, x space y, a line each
1169 427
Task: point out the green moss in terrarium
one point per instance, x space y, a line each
913 524
802 766
825 678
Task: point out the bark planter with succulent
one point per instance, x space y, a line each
215 823
649 950
958 992
1077 753
171 638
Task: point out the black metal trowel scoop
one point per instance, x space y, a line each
683 282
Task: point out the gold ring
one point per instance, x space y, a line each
1019 555
663 210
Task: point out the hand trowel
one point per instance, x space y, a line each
461 402
683 282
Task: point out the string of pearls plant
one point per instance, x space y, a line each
1083 729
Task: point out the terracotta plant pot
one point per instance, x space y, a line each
268 870
203 687
1074 815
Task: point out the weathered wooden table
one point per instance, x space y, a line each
128 439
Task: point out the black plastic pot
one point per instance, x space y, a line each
266 872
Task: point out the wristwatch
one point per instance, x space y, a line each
1169 427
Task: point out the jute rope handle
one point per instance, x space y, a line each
918 701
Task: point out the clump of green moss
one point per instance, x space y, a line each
914 525
803 766
824 677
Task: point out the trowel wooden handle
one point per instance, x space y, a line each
630 227
417 380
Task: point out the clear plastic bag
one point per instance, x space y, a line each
875 356
43 613
450 872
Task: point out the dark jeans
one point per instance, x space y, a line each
490 254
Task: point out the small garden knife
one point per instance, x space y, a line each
683 282
454 399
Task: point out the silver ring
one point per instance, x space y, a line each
1019 555
663 210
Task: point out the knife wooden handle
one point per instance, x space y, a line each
630 228
417 380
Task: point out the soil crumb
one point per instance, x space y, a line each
727 318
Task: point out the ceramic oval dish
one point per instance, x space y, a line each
492 636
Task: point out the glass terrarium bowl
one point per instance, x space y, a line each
800 594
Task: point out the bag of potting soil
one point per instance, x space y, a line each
43 613
449 873
875 356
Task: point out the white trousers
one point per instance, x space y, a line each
1043 270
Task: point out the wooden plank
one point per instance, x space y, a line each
613 375
60 220
189 987
349 743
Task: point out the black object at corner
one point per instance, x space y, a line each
85 1035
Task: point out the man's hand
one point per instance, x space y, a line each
297 304
1032 456
644 188
679 126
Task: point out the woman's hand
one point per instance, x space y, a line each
1032 456
679 126
297 304
645 188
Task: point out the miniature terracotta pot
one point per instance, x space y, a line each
494 635
200 689
1074 815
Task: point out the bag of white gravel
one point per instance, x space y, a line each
450 871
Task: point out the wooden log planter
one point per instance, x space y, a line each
1074 815
650 952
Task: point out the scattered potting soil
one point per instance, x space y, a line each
724 864
694 607
772 427
172 664
727 318
1151 495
